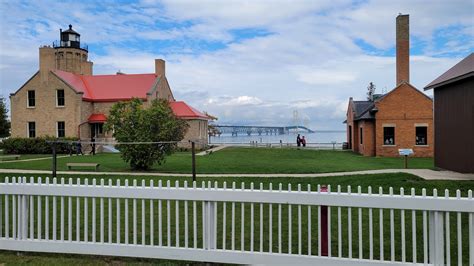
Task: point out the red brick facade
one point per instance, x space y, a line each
404 108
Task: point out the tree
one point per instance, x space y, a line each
370 91
4 123
133 122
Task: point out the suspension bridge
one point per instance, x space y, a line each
260 130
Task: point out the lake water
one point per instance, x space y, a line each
317 137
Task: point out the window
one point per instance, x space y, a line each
31 99
59 97
421 136
361 142
61 129
200 131
31 129
389 135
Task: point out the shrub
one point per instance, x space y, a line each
35 145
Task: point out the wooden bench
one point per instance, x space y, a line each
9 157
95 165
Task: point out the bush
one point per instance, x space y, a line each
132 122
35 145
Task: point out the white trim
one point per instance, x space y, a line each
421 124
389 125
28 100
60 106
28 129
57 129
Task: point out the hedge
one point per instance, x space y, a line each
34 145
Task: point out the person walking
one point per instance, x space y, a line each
93 146
79 148
298 141
303 141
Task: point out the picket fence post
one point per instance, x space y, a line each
436 236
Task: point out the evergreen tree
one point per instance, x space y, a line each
370 91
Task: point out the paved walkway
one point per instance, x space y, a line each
33 159
423 173
207 152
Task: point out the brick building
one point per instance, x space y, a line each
402 118
65 99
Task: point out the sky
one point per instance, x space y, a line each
274 63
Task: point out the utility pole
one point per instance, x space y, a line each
53 147
193 152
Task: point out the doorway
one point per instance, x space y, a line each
96 130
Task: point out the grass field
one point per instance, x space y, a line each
385 180
244 160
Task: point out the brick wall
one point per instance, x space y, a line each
404 107
367 148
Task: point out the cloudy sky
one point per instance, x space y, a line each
247 62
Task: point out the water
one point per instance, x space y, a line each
317 137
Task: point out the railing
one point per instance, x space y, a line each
236 225
310 145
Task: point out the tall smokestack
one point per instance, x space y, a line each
403 49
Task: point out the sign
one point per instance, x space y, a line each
405 152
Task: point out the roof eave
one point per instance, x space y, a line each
449 81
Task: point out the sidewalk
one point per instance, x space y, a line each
207 152
423 173
32 159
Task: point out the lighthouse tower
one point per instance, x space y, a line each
67 55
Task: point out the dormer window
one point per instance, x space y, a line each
60 100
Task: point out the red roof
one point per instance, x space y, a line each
112 88
94 118
182 110
109 88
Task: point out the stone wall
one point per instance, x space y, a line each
197 131
45 113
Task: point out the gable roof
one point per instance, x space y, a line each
400 85
109 88
463 69
184 111
362 110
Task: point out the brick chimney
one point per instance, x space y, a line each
160 67
403 49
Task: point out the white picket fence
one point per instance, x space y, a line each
236 225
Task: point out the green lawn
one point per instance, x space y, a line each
385 180
245 160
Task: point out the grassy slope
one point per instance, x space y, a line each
245 160
384 180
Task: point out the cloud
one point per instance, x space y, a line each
234 101
247 62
